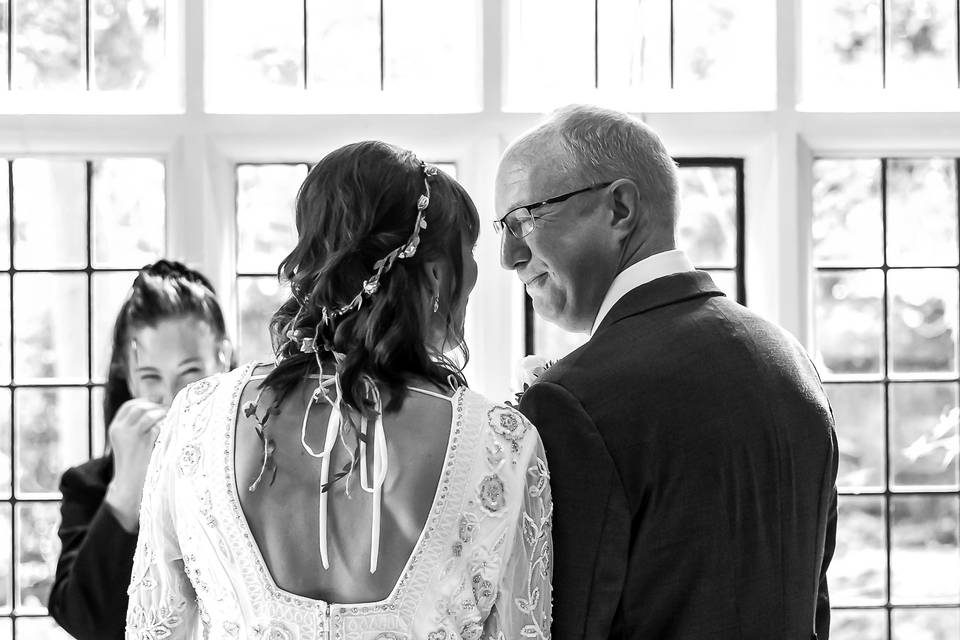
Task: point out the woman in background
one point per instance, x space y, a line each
169 332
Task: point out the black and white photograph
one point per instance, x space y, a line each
480 319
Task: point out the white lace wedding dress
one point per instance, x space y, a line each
481 568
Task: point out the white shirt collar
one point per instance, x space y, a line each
647 270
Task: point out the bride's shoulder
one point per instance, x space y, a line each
511 455
503 423
230 381
485 405
217 385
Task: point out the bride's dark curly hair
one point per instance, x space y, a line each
358 204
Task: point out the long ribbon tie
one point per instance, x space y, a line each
334 427
380 460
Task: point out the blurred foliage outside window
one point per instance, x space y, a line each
122 48
886 289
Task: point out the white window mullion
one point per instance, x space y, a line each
790 259
495 313
200 184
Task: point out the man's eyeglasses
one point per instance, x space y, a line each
521 221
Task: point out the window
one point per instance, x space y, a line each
883 50
265 234
102 54
73 233
886 306
647 56
360 56
710 230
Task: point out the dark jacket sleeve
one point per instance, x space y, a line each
822 623
591 526
89 595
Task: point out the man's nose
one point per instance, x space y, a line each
513 251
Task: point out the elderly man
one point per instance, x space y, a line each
691 447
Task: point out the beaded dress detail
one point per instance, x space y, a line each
481 569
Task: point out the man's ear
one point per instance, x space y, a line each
626 206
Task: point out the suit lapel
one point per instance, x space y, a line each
660 293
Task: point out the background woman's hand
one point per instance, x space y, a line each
132 434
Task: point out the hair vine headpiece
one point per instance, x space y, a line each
407 250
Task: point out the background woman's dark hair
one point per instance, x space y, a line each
162 290
358 204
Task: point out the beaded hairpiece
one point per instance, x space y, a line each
308 344
407 250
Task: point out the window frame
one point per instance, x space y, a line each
91 383
167 99
306 99
886 379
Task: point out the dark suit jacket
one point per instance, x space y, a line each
89 595
693 464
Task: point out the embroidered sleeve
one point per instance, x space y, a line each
162 601
524 607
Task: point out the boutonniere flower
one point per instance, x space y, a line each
529 370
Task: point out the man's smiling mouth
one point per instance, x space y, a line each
533 280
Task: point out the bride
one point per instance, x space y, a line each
356 489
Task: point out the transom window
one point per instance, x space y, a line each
641 55
114 55
357 56
858 52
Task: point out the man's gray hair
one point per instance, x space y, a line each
604 144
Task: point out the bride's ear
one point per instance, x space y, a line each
434 272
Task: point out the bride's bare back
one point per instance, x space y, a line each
283 517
